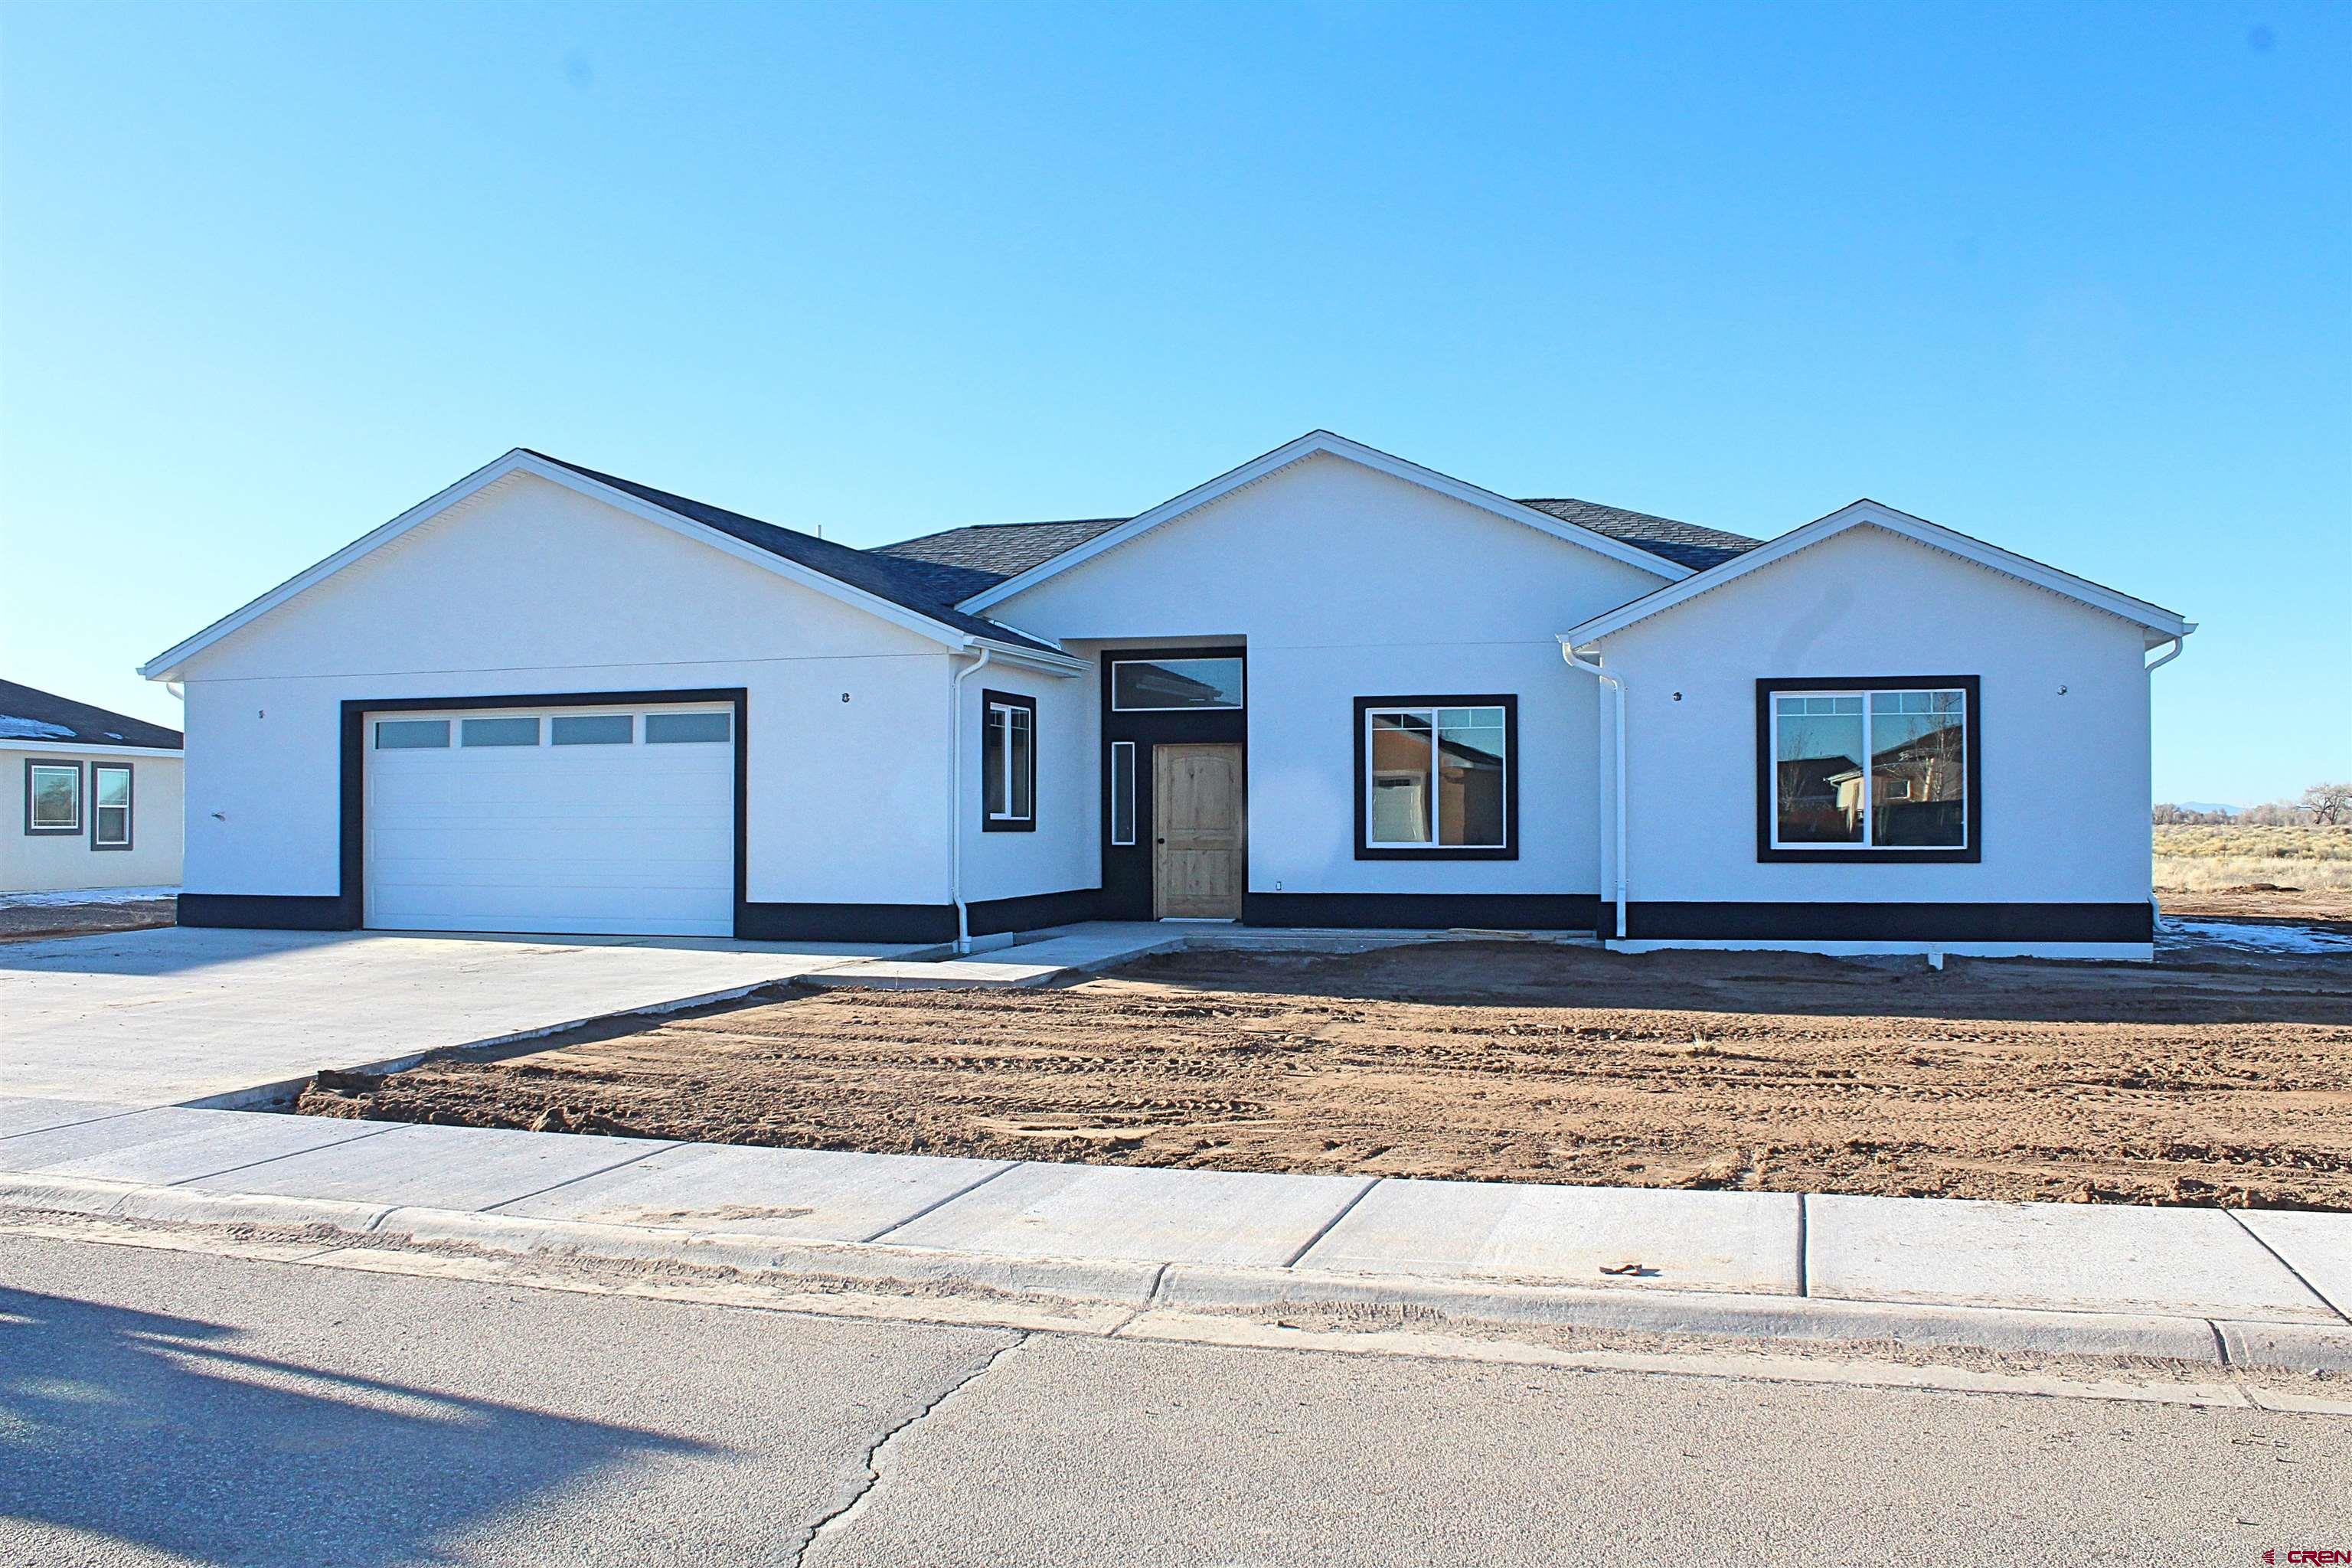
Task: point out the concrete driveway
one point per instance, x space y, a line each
165 1016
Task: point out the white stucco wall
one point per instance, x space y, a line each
2065 776
1345 582
530 587
1061 854
40 863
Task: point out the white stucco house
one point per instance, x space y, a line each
1328 688
91 798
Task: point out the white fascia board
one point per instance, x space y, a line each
1313 443
1062 665
2162 625
58 748
164 666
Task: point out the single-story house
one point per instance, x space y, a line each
1329 688
98 795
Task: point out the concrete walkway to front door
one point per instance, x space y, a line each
179 1014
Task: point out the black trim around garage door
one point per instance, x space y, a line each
1794 922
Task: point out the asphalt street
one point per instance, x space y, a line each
163 1406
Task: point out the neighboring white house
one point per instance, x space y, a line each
1328 688
92 798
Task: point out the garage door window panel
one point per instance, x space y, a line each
412 734
688 729
592 730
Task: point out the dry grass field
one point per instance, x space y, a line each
2302 872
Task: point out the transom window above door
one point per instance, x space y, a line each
1159 685
1436 778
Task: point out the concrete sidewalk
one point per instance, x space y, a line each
2179 1282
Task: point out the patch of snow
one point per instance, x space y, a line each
2251 938
84 895
14 729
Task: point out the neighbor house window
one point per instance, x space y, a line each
1008 763
110 805
1123 793
1881 769
1153 685
52 797
1436 778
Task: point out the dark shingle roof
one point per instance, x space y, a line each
877 574
29 714
933 574
1683 544
963 561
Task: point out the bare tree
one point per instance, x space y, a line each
2331 802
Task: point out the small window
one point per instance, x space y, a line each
110 805
497 731
1437 777
591 730
1875 771
411 735
1008 763
1123 793
1152 685
680 728
52 797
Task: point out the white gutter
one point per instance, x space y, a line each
2177 643
1617 690
955 795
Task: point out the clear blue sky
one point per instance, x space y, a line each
2075 278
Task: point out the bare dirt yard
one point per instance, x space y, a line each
29 920
2214 1079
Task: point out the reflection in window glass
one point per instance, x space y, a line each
1470 776
411 735
1437 778
56 798
110 789
1142 685
590 729
1918 780
676 729
1912 796
497 731
1400 752
1122 792
1008 763
1817 758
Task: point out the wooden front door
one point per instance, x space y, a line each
1198 860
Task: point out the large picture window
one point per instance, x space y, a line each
1008 763
1437 778
1879 770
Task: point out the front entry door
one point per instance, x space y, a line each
1197 829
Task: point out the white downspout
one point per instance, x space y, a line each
955 797
2154 909
1617 691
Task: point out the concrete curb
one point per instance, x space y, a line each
1139 1286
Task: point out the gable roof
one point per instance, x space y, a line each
29 713
1324 443
900 582
856 577
2161 624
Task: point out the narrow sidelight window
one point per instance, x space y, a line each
1437 777
1123 793
110 805
1008 763
1872 770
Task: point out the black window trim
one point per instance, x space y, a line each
1509 850
1870 855
990 700
130 797
82 799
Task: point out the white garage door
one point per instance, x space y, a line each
582 820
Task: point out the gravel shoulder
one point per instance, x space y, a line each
2219 1078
